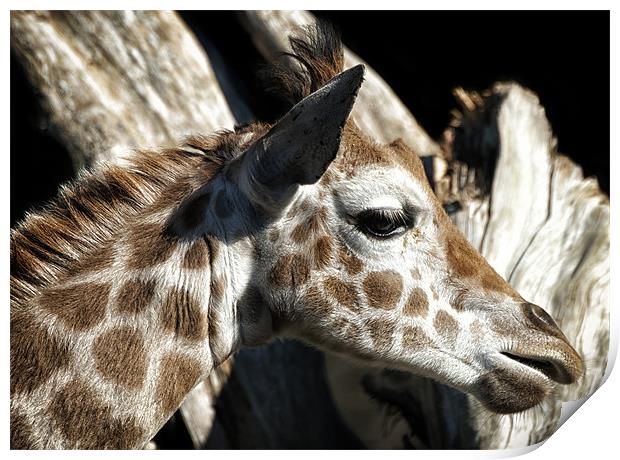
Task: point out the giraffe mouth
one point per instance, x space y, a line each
547 367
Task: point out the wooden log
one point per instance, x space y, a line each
113 81
546 230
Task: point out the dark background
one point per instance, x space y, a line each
562 56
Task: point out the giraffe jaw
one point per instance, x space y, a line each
517 382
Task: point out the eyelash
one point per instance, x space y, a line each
395 218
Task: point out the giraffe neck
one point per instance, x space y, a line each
105 351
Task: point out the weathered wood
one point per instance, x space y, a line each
113 81
546 230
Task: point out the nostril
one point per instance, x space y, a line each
540 319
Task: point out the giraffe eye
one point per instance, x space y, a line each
382 223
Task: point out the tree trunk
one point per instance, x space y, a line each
113 81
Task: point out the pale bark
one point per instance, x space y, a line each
112 81
545 228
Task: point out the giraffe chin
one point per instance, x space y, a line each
507 390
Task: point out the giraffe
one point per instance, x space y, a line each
143 276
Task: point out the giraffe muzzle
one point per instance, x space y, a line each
551 354
539 357
555 369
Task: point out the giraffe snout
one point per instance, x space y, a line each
544 348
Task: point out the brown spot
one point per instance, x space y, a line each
502 327
408 158
446 326
35 354
21 432
358 151
182 314
279 274
305 205
493 282
173 196
417 303
463 259
77 410
350 262
314 300
352 333
193 215
414 338
381 332
197 256
134 296
344 337
294 211
300 269
150 245
415 274
290 270
97 261
327 178
322 252
223 206
306 229
383 289
178 374
79 307
120 357
343 292
349 331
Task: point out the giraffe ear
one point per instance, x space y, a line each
300 147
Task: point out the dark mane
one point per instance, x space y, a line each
89 211
317 56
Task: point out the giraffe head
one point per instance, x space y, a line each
351 251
